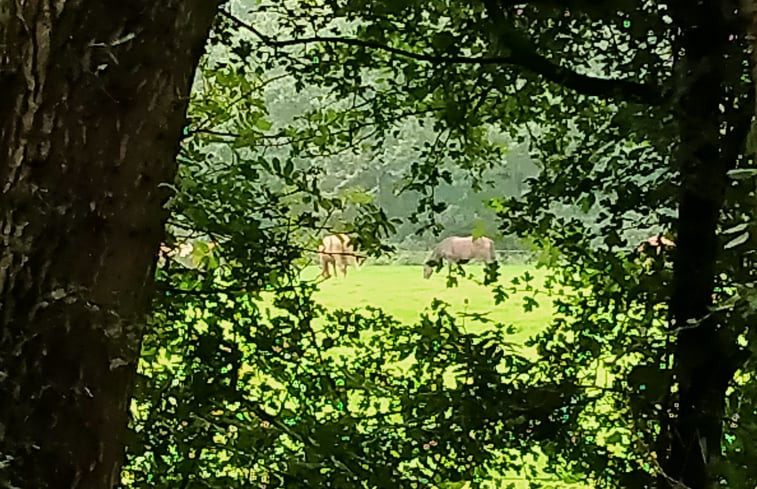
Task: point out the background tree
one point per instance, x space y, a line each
94 99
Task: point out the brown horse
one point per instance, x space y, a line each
337 250
460 249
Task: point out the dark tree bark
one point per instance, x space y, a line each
92 101
749 14
704 353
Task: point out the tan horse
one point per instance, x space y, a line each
654 250
460 249
337 251
655 245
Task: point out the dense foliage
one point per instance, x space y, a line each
309 116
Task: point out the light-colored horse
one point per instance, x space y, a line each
193 255
336 250
460 249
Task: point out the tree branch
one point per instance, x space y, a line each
588 85
525 55
527 59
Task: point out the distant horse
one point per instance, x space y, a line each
192 255
337 251
655 245
460 249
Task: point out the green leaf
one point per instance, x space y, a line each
737 229
742 173
738 240
263 124
479 229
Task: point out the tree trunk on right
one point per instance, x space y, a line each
704 361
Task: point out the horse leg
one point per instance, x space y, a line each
323 263
328 262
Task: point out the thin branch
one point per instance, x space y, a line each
213 132
287 142
528 59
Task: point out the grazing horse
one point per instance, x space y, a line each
337 250
655 245
460 249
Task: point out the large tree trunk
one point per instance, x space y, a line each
92 101
704 360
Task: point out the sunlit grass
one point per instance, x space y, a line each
402 292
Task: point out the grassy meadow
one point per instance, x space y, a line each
401 291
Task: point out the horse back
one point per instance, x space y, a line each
466 248
338 247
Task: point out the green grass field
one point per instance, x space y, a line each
403 292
